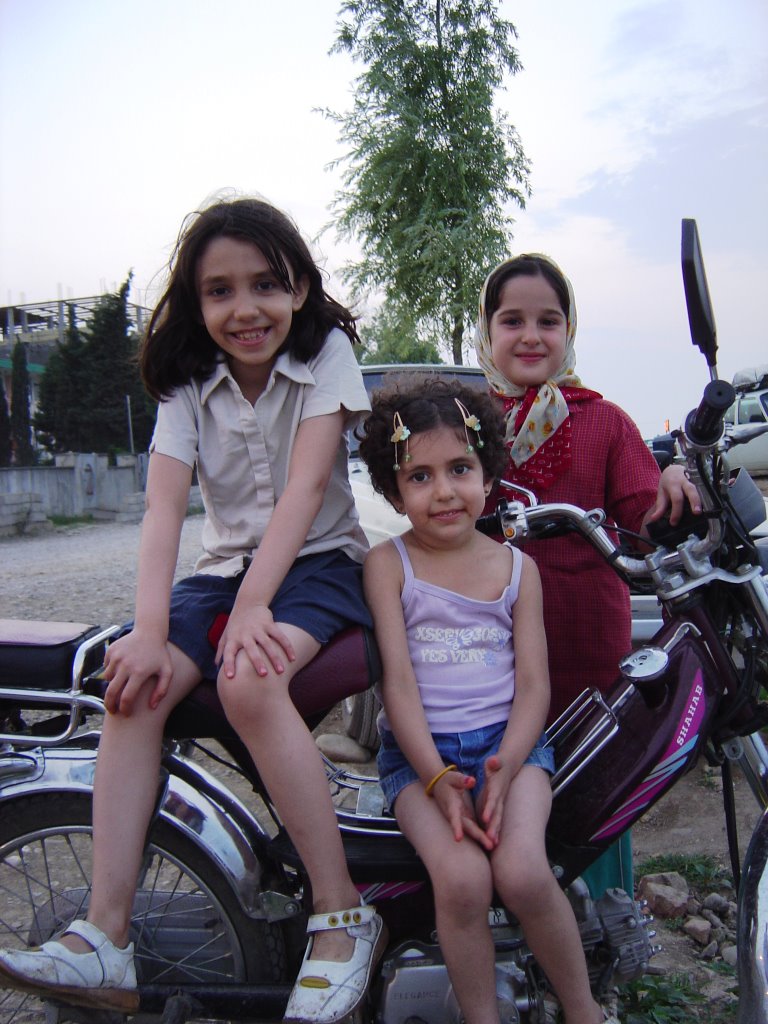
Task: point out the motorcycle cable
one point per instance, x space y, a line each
731 518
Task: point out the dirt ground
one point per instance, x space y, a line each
85 573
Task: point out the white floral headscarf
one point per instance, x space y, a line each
549 409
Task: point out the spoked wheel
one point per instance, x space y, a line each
187 925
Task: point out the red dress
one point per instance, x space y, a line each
586 605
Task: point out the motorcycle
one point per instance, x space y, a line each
222 899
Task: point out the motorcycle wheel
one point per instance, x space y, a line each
358 713
187 924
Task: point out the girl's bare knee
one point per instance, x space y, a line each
520 884
462 905
234 694
246 694
142 721
463 889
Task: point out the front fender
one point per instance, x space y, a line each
197 805
752 930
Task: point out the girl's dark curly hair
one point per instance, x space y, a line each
177 347
425 402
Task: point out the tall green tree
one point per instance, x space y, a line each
21 423
62 418
392 337
432 167
6 448
109 350
91 383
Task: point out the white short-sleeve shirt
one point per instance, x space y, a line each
242 451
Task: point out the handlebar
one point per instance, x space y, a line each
704 425
518 521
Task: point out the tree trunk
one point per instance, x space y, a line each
457 339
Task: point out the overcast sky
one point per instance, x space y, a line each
116 119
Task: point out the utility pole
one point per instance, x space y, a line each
130 424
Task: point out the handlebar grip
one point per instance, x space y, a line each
489 525
704 425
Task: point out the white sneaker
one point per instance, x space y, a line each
104 979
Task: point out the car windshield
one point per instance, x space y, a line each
752 408
373 377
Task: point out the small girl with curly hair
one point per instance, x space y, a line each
465 691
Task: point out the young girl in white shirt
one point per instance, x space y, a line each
253 365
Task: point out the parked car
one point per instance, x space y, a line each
663 448
751 406
380 521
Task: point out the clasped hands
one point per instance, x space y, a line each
483 822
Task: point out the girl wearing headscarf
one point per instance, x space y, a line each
568 444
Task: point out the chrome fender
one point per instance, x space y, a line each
197 805
752 930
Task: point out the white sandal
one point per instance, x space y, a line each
326 991
104 979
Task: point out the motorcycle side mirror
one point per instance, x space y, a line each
700 316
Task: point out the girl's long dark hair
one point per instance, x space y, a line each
177 347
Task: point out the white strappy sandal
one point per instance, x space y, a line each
326 991
104 979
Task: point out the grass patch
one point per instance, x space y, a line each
709 779
699 871
721 967
70 520
660 1000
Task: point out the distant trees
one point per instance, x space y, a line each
392 337
90 381
432 168
6 448
21 424
61 420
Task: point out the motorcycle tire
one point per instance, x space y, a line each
358 714
187 924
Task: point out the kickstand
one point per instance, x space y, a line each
180 1008
729 807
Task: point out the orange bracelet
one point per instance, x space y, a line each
433 782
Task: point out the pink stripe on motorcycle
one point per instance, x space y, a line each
675 757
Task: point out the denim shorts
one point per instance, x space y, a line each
321 594
467 750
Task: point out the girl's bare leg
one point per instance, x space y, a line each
528 888
461 880
290 765
125 790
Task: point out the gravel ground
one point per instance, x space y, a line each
83 573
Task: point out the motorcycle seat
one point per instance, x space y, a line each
36 654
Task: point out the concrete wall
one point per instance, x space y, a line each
79 484
22 513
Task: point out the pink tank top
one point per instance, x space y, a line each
461 651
